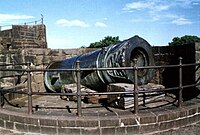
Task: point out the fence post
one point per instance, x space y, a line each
14 80
1 98
42 18
135 87
78 94
180 99
30 106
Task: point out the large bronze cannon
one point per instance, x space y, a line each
118 55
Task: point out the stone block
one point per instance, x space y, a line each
1 123
4 116
34 129
66 123
109 122
90 131
181 122
192 110
132 130
21 127
125 101
197 46
147 119
128 121
69 131
193 119
48 122
9 125
182 113
168 115
18 119
87 123
197 55
108 131
39 60
172 115
166 125
120 131
32 121
163 117
147 128
48 130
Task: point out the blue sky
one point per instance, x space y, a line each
76 23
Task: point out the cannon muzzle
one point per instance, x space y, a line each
118 55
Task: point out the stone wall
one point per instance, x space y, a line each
39 56
24 36
169 77
154 121
197 55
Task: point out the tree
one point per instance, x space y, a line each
105 42
185 40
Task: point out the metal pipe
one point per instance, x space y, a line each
30 105
78 75
135 87
180 99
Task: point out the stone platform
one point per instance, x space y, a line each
55 116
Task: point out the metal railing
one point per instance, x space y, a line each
79 94
40 21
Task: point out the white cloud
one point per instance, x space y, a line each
160 10
10 17
161 7
72 23
181 21
105 19
187 3
149 5
100 24
137 5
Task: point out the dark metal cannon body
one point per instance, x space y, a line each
118 55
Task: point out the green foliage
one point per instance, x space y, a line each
83 46
185 40
105 42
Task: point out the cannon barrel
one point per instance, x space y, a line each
118 55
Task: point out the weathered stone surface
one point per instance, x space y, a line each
66 123
109 122
128 121
87 123
21 127
90 131
47 122
125 101
48 130
108 131
9 125
70 131
33 128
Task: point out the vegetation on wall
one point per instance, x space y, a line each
105 42
185 40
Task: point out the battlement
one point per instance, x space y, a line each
24 36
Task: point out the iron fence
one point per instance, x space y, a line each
79 94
